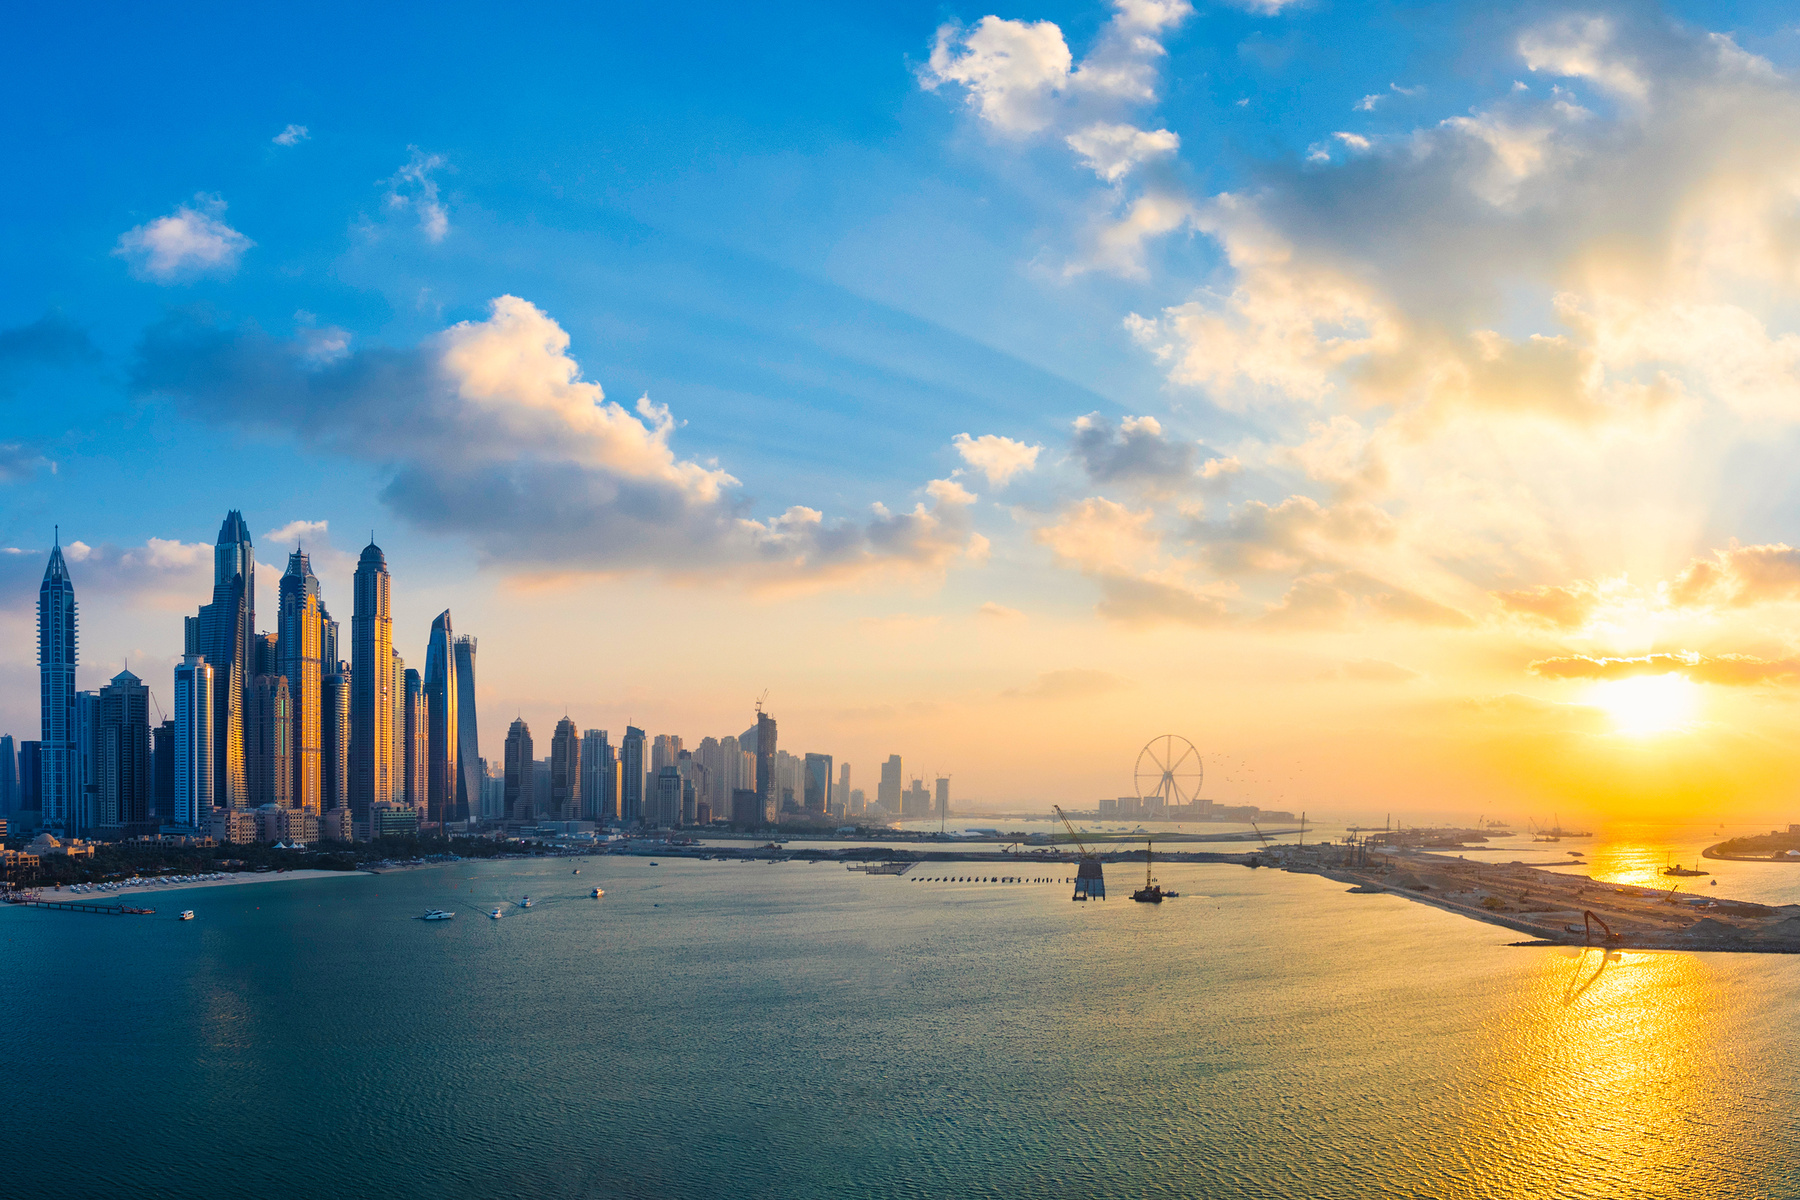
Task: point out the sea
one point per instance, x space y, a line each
726 1029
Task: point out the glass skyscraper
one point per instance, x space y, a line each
57 760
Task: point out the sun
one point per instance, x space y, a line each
1645 705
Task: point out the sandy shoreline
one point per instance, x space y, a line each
151 889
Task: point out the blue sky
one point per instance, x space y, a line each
819 251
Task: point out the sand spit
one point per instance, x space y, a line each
1551 906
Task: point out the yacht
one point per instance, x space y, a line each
436 914
496 914
187 914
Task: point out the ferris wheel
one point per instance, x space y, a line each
1169 771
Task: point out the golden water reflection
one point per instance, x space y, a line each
1601 1079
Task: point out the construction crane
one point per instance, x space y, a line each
760 700
1090 882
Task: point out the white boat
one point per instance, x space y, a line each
496 914
525 903
187 914
596 893
436 914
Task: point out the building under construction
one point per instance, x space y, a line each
1090 881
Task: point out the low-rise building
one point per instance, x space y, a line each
45 845
233 825
335 825
388 819
278 823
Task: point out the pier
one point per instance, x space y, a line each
109 910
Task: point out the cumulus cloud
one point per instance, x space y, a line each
1727 669
1112 150
998 458
1558 607
1101 535
1297 534
1327 600
162 573
414 189
192 241
1011 71
1073 684
1134 451
293 135
1143 601
1739 576
488 430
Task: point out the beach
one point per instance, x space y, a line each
148 887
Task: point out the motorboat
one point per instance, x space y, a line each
187 914
596 893
496 914
576 871
436 914
525 903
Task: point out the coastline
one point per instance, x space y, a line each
151 889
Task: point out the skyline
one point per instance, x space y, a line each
1409 424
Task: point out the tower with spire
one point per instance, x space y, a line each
56 679
441 695
224 633
300 647
371 684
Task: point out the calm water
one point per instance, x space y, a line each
719 1029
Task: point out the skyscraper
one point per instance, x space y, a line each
162 771
664 751
224 632
631 776
468 738
843 792
416 738
334 737
194 758
9 775
767 784
268 748
521 802
599 777
817 784
943 797
371 676
57 762
440 714
887 792
565 772
301 630
122 757
397 756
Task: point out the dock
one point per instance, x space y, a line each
108 910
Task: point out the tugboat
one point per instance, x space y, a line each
1151 892
436 914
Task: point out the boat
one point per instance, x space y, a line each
576 871
1151 892
596 893
436 914
1682 872
187 914
496 914
525 903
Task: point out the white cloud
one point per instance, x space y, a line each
1583 48
488 430
999 458
190 242
413 188
1112 150
293 135
1011 70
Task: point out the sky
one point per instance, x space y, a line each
1396 401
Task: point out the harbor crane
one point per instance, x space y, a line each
1090 882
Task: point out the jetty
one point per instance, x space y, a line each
31 900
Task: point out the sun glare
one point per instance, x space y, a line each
1646 704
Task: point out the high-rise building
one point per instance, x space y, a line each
122 757
842 796
334 737
397 756
87 765
664 751
943 797
817 783
9 776
521 793
162 771
565 772
371 684
194 758
300 631
440 712
767 784
631 777
56 757
468 740
224 632
599 777
887 792
416 738
665 806
268 750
